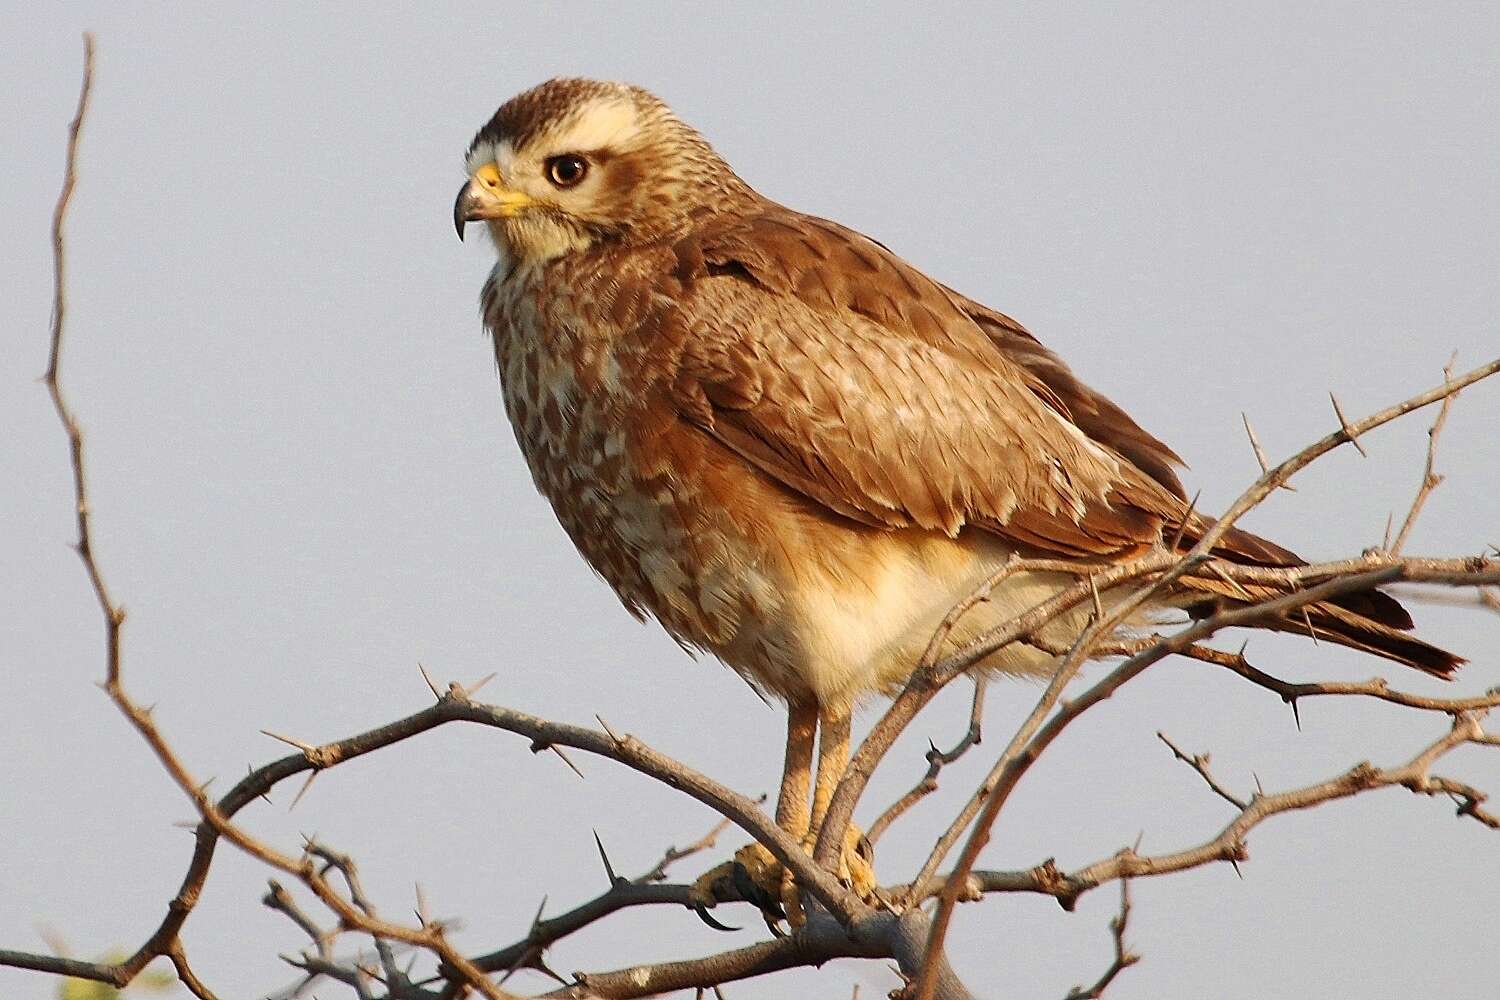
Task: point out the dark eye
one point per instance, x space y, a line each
567 170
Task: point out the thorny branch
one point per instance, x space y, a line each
936 761
1124 957
1229 844
1199 762
165 942
842 925
1034 736
645 889
1430 479
1030 741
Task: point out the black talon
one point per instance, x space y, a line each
704 916
752 893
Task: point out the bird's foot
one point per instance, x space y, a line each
857 863
756 877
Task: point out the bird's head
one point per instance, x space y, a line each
574 163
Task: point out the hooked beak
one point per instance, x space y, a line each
485 196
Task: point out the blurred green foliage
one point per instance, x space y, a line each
149 981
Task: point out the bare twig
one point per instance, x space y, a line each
645 889
1377 687
936 761
177 955
165 941
1229 844
119 973
1124 957
1430 479
1033 738
873 935
344 864
279 899
1199 763
674 854
114 616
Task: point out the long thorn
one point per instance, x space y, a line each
1344 423
430 685
311 776
481 682
1260 453
609 869
1182 524
1307 620
536 921
306 748
564 758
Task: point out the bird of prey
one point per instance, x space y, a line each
791 447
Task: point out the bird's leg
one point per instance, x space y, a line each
855 867
796 773
833 760
792 813
755 873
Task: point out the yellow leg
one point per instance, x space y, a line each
796 782
855 866
796 775
833 760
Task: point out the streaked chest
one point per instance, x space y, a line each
628 482
565 393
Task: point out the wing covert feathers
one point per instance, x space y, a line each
852 378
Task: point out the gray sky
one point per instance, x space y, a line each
304 483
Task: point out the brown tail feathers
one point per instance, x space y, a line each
1370 620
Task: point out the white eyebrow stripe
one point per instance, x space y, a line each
602 124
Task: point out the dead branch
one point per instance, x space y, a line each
1199 763
1230 843
165 942
936 761
1376 687
279 899
1033 737
674 854
1124 957
645 889
874 935
1430 479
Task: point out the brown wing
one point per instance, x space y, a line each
1095 415
848 375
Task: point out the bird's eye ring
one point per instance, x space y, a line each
567 170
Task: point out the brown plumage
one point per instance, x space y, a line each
784 442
